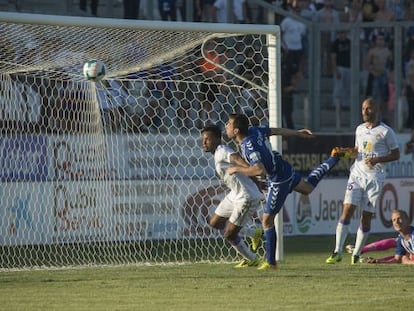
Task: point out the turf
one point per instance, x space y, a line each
303 282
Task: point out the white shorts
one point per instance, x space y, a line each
238 213
363 192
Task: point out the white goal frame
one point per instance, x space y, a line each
272 33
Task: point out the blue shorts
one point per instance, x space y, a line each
278 191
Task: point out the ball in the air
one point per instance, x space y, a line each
94 70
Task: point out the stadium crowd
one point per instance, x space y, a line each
162 105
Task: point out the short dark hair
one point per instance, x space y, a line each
372 101
401 212
213 128
241 122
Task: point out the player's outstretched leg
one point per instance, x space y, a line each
377 246
250 259
319 172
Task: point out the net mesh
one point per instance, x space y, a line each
112 172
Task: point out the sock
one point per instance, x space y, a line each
242 248
318 173
341 234
361 238
247 231
381 245
270 245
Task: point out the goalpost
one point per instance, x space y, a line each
112 172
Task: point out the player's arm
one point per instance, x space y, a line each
235 158
394 155
281 131
256 169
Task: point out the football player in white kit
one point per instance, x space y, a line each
239 205
375 144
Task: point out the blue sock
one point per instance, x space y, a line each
318 173
270 245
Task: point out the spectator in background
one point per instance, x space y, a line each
397 7
318 4
150 120
131 9
409 44
384 14
262 12
341 66
409 95
391 90
93 6
409 145
167 9
379 59
306 10
369 9
327 15
289 83
197 10
355 11
208 11
355 15
293 32
408 11
239 11
210 67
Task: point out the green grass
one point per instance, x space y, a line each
304 282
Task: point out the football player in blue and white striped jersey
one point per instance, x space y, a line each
280 174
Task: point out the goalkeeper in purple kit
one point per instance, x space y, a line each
280 176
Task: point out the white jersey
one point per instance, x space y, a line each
221 6
241 186
293 32
372 142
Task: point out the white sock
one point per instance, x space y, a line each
244 250
247 231
341 234
361 239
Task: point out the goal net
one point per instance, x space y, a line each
112 172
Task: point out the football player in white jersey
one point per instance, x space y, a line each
375 144
239 205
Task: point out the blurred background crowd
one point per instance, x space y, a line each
319 40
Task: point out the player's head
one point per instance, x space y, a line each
369 110
400 220
210 137
237 125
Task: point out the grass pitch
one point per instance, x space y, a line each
303 282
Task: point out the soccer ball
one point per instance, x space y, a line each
94 70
